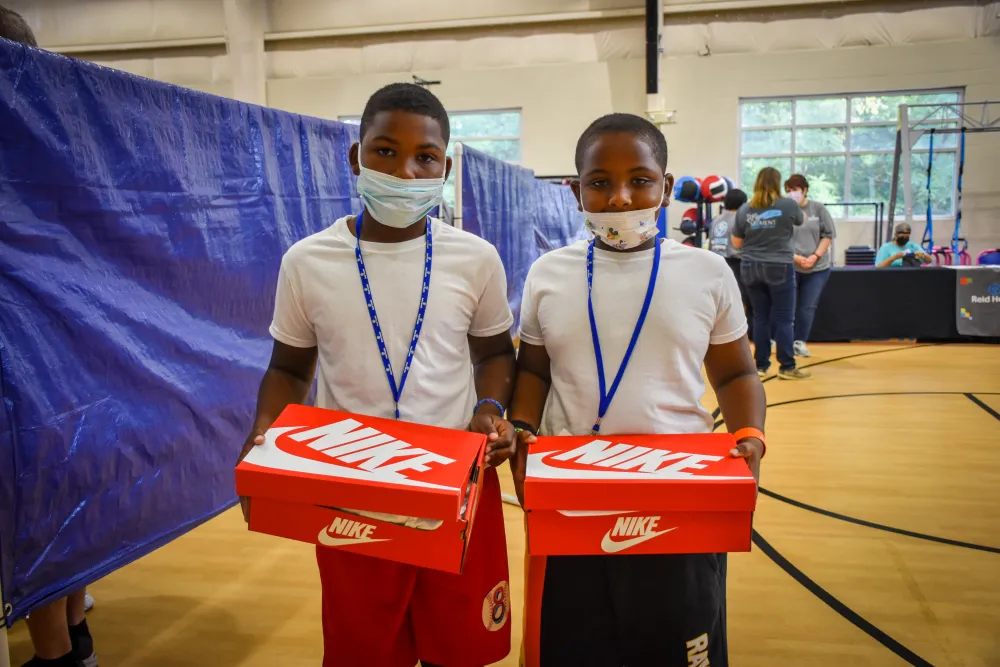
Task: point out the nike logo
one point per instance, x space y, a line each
269 455
603 460
642 528
327 541
608 545
354 532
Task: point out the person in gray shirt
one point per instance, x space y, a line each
720 240
763 234
811 244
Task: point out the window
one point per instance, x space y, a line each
844 145
496 133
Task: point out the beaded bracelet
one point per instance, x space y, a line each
523 426
491 402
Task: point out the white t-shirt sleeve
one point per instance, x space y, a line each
493 314
290 325
530 329
730 320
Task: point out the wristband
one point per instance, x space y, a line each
523 426
485 401
751 432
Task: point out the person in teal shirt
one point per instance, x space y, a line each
893 252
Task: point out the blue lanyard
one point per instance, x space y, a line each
608 396
421 310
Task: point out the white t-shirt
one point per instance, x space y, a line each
320 303
696 302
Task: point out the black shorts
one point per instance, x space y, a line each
626 611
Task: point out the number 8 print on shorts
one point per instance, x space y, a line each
496 607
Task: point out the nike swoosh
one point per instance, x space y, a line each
611 547
327 541
539 468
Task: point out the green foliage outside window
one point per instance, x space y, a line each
844 145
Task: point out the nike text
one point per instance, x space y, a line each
629 457
367 448
628 526
352 529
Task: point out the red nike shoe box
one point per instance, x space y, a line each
637 494
379 487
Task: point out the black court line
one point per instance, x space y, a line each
996 415
877 526
868 353
846 612
872 524
968 395
825 596
892 393
718 411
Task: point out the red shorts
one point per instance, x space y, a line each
377 613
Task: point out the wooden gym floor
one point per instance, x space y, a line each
878 538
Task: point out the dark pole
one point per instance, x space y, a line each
894 184
875 227
653 20
699 224
881 224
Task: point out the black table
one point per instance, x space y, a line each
865 303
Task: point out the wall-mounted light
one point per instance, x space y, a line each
662 117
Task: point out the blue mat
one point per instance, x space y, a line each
522 216
141 231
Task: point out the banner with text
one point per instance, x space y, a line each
978 301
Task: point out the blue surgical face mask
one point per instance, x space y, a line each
398 202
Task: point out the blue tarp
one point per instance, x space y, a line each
522 216
141 230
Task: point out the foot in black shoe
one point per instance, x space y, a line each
83 644
68 660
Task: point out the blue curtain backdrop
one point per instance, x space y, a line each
519 214
141 230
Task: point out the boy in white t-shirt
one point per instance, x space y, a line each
659 311
412 322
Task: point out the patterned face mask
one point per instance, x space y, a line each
622 229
